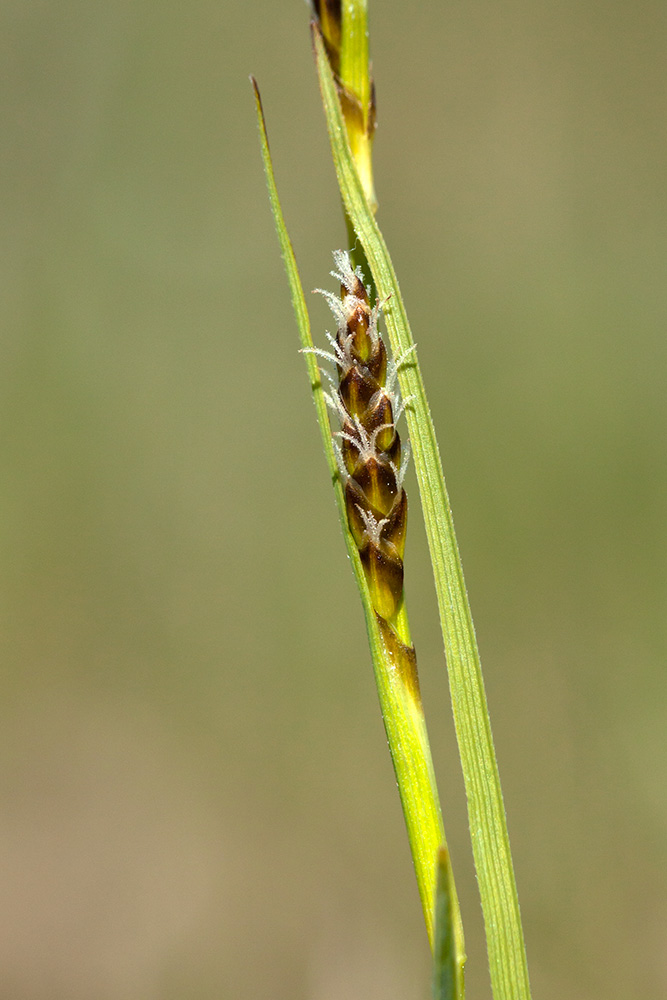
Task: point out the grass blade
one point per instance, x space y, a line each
488 827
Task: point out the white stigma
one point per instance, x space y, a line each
372 525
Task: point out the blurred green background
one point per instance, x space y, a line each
196 797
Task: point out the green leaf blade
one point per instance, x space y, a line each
488 826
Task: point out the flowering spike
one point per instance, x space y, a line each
368 445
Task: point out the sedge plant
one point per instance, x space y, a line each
367 389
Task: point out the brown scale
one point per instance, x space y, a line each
375 501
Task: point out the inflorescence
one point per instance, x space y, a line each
368 446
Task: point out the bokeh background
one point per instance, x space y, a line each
196 798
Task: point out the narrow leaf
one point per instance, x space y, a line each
488 827
300 308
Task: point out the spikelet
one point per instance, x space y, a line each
370 447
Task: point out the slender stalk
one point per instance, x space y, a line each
488 827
